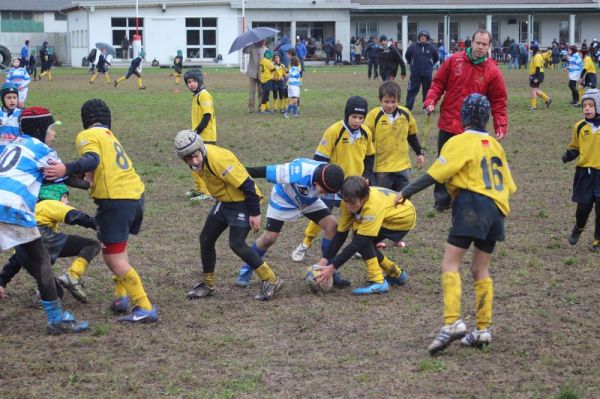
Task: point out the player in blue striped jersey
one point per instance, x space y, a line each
18 75
21 161
299 186
9 114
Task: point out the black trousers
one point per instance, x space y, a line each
37 264
574 91
414 84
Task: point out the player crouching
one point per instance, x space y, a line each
474 167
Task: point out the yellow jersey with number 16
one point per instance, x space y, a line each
114 177
475 161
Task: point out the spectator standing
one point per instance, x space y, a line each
25 54
301 51
389 59
358 49
372 55
256 52
338 48
125 46
421 56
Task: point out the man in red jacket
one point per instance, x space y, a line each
464 73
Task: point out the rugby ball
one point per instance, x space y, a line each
311 280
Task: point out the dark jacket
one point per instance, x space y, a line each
421 58
371 50
389 59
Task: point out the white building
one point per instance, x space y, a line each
205 29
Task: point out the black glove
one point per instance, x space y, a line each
570 155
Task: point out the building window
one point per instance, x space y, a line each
59 16
523 32
201 38
563 31
315 30
413 30
125 27
496 33
366 30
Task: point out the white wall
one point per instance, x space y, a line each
51 25
77 22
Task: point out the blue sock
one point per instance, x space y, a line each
260 253
53 310
325 243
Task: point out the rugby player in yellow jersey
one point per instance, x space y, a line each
588 73
585 146
370 213
237 207
266 68
536 77
394 128
118 192
349 144
474 167
204 123
279 88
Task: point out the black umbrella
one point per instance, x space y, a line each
252 36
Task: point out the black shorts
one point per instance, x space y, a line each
132 72
267 86
540 80
476 216
231 213
590 80
392 235
586 185
116 219
276 225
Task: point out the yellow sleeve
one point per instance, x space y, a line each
51 213
231 170
370 119
206 103
86 141
371 220
574 144
455 154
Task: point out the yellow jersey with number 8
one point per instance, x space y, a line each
114 177
475 161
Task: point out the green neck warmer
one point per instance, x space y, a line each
478 60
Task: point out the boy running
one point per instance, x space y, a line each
237 207
393 128
299 186
118 192
536 77
134 69
585 147
473 165
371 215
18 76
177 69
102 66
204 124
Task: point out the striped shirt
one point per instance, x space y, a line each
18 76
294 77
21 161
294 188
575 66
9 122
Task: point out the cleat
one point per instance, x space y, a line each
139 315
286 115
397 281
120 305
339 281
575 234
548 103
244 277
447 334
200 290
67 325
299 253
115 83
142 88
441 208
74 286
282 111
371 287
477 338
533 108
200 197
596 246
268 290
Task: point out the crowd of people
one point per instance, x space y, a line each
361 166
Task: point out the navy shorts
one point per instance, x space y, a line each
586 185
590 80
476 216
230 213
532 83
116 219
392 235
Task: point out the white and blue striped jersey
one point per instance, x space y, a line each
294 77
21 161
294 188
9 122
18 76
575 66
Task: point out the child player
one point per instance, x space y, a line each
177 69
278 84
349 144
10 113
585 146
536 77
237 207
19 77
299 186
102 66
393 128
588 74
370 213
23 158
118 192
267 68
134 69
204 124
474 167
294 81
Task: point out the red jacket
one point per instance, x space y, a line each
457 78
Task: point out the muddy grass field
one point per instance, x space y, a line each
546 342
